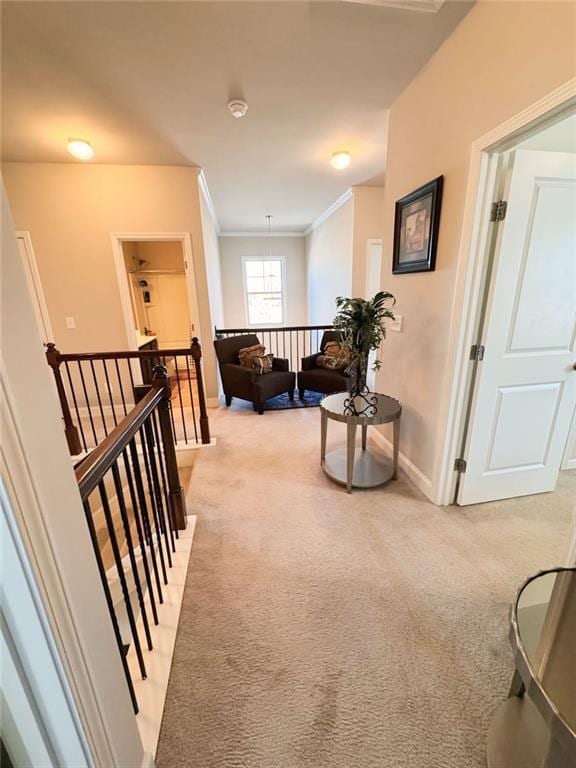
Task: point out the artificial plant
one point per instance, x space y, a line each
361 326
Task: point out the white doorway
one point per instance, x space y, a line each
520 419
158 289
373 277
35 286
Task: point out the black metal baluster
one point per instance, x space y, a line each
145 515
152 497
180 399
120 385
73 393
109 602
192 399
291 355
161 461
87 403
140 533
122 577
98 396
130 544
109 388
164 524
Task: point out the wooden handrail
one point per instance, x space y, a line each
124 354
257 329
92 469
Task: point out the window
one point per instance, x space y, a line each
263 280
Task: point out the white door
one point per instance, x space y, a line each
373 273
525 393
35 287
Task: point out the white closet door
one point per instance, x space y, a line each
525 394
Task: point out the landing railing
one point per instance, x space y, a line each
292 342
134 506
95 390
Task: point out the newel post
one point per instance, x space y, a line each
197 357
71 432
176 492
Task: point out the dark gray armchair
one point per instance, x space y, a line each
244 383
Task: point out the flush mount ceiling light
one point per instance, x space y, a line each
80 149
340 160
238 107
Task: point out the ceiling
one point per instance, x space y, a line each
148 83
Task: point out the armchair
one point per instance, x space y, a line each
241 382
321 379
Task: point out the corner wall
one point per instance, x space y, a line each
502 57
71 209
234 249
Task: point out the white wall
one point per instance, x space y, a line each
329 249
234 249
212 260
37 470
460 95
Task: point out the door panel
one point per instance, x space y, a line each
167 312
525 392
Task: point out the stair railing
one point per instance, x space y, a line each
134 507
95 391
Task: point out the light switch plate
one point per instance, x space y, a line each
70 323
397 324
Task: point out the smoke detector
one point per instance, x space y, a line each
238 107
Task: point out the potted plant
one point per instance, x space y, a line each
361 325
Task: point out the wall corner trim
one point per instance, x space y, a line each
415 475
329 211
203 184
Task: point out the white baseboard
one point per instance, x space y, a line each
147 761
213 402
420 480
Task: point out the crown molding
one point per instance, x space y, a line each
206 192
262 234
329 211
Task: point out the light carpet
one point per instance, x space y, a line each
322 630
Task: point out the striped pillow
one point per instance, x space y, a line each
262 364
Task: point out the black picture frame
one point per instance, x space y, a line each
416 224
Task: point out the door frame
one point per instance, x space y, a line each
473 256
124 284
35 285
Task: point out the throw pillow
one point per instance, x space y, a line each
330 362
246 354
262 364
338 352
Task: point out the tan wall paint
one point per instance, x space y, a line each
234 249
212 261
503 57
329 250
368 224
71 210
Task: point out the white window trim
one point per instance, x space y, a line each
245 291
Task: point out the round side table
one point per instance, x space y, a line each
344 465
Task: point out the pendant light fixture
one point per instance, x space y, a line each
269 219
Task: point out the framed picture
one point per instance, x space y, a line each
416 223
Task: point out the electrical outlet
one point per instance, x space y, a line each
70 323
397 324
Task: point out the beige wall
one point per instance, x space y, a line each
234 249
329 250
368 224
51 513
212 261
501 58
71 210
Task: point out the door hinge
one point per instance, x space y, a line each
185 264
460 465
498 210
477 352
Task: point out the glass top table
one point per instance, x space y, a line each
344 465
543 637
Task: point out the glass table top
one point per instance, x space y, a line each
368 408
545 624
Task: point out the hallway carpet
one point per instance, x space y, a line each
322 630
